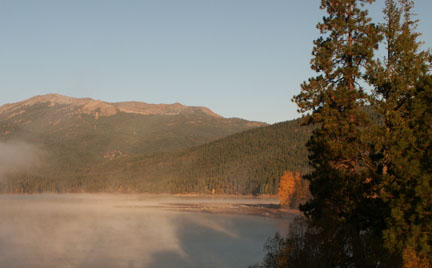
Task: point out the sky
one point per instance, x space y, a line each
240 58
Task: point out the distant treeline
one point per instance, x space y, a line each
250 162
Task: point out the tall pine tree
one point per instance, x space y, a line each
403 97
342 182
371 182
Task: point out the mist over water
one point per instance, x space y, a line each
102 230
18 156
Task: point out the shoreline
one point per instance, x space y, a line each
265 206
264 210
263 196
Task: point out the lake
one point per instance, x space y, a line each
128 230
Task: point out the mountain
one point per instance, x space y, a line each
247 162
76 134
94 146
100 108
86 130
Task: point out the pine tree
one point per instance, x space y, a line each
342 181
403 97
418 188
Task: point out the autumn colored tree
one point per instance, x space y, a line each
291 189
411 259
286 188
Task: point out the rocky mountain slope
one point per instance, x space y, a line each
80 133
101 127
100 108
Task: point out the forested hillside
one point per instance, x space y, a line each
250 162
74 135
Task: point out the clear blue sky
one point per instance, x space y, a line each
240 58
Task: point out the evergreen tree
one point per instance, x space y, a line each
402 96
414 203
342 181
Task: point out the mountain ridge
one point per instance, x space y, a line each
91 145
83 131
103 108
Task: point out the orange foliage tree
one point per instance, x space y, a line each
287 187
293 190
412 260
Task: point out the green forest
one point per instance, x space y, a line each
249 162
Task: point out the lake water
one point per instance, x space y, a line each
101 230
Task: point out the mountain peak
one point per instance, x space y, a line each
161 109
101 108
51 97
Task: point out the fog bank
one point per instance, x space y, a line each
18 156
